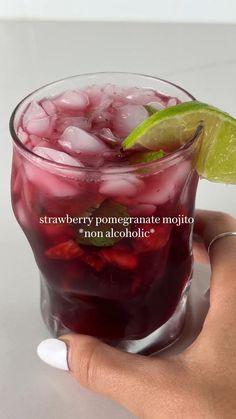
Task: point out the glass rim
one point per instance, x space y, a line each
179 152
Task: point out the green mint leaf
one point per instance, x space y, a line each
102 235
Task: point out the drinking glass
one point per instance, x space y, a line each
133 293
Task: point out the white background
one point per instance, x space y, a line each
202 58
134 10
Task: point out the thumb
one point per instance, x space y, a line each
131 380
118 375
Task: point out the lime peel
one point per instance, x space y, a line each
216 152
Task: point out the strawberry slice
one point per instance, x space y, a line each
158 237
64 251
120 257
94 260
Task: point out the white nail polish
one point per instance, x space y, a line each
54 353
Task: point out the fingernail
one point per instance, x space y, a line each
54 353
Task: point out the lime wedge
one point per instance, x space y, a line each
216 154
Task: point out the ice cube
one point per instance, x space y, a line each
50 184
64 122
142 210
134 96
72 100
108 137
157 105
159 189
107 96
23 136
34 111
139 96
56 156
164 186
117 187
49 107
126 185
94 92
77 141
127 117
172 102
101 96
100 117
134 179
36 121
41 127
180 172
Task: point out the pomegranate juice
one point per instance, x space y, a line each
108 228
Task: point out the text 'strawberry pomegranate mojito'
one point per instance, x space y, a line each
95 215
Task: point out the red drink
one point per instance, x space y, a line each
109 236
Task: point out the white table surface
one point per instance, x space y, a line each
201 58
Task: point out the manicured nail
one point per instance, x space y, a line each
54 353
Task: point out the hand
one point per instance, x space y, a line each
198 383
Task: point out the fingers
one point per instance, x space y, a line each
121 376
104 369
210 223
143 385
214 349
200 253
222 258
199 248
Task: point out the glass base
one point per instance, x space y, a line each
161 338
158 340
